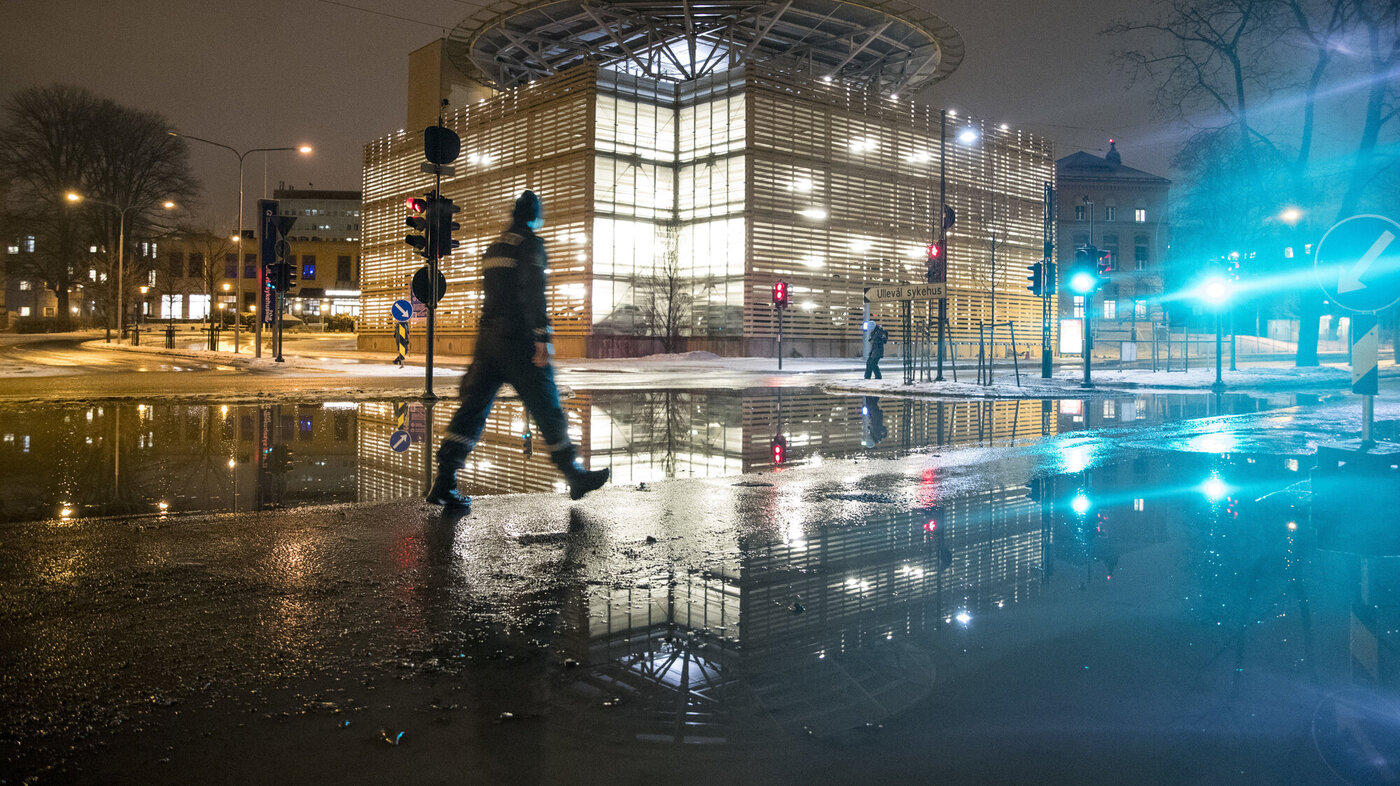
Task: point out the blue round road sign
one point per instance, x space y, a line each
1358 263
402 310
399 441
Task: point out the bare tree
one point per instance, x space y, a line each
1249 75
665 298
59 139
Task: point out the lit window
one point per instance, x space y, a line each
1139 504
24 311
1140 309
14 249
25 286
92 249
1110 309
1079 306
29 244
1140 215
1110 214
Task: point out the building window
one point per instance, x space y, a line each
24 311
342 268
1140 215
49 311
14 249
25 286
1110 213
250 265
1079 306
1110 309
1140 309
177 263
1080 213
1110 244
196 266
29 244
308 267
1140 250
231 266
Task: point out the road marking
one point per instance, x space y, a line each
1350 280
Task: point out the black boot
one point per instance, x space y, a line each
444 491
580 480
450 457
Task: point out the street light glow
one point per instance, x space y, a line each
1216 290
1291 216
968 135
304 149
1082 282
73 196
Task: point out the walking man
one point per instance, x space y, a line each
512 346
878 337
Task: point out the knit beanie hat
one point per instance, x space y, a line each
527 208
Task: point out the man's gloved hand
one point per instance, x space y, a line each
543 351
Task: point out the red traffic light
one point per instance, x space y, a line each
779 450
934 251
780 294
416 204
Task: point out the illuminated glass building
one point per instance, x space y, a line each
690 157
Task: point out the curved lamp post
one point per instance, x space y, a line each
238 229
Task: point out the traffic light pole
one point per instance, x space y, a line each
940 236
1048 285
1088 339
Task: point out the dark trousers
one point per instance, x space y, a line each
502 359
872 366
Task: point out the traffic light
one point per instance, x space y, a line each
1232 269
1105 263
781 295
1048 285
779 449
284 276
936 272
1084 278
1037 278
441 226
418 222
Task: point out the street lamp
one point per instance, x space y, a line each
74 196
1216 291
238 228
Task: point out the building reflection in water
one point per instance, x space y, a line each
130 459
820 631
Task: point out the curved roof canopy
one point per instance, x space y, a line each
888 45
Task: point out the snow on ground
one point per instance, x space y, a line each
1067 383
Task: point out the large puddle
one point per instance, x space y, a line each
65 461
1084 610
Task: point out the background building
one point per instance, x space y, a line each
683 174
1123 211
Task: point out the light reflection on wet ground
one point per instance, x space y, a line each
1065 610
117 458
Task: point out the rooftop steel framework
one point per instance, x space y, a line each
886 45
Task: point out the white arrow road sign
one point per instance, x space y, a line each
1350 279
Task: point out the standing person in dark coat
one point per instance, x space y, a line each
512 346
878 337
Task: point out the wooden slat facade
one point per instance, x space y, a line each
727 184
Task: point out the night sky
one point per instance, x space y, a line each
272 73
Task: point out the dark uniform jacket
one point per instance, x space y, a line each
513 286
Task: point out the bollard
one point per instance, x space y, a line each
170 337
136 335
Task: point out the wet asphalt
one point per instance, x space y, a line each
1154 604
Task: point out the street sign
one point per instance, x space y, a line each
421 289
401 341
399 441
1358 263
402 310
417 422
1364 377
891 293
268 306
420 309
